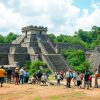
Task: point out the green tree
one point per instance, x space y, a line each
52 36
10 37
2 39
76 59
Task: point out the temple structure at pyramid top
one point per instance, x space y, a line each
34 30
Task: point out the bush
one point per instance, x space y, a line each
36 65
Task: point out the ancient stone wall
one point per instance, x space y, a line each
4 59
93 56
19 58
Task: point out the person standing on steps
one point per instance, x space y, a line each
2 75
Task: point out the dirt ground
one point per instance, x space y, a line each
36 92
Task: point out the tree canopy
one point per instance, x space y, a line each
9 38
88 39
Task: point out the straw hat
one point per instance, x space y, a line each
17 68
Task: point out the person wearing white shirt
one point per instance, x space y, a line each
44 78
68 78
58 78
21 75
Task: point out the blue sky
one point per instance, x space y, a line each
82 3
60 16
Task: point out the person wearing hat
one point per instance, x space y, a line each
2 75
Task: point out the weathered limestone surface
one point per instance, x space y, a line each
4 59
94 57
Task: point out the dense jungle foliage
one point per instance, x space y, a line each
87 39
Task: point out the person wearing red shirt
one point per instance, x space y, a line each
90 80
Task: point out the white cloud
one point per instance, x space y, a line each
60 16
89 20
9 21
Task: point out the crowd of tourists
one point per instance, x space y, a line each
22 76
79 79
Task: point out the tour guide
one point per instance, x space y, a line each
2 75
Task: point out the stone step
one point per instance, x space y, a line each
58 62
48 48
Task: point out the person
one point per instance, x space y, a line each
96 78
79 81
21 75
13 76
86 79
62 75
26 76
39 75
9 75
16 75
44 79
2 75
74 77
34 79
68 78
82 77
58 78
90 80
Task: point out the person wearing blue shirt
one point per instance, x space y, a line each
26 76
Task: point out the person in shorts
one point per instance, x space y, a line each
2 75
86 79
